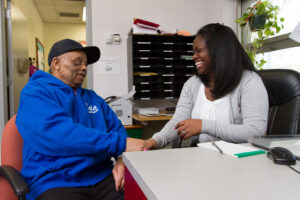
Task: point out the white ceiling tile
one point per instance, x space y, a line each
48 12
68 3
44 2
50 9
71 9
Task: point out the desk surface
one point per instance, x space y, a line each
143 118
198 173
133 126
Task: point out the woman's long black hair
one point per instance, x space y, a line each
228 58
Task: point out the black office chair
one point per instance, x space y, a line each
283 86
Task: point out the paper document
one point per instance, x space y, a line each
236 150
156 115
147 110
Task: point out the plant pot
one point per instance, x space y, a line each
257 22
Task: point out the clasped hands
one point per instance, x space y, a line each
185 129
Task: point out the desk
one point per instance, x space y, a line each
134 131
133 126
198 173
143 118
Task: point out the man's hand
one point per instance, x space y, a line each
150 144
135 145
118 173
188 128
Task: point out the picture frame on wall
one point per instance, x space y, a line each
40 60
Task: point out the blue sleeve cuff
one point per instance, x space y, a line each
120 146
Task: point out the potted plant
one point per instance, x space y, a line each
262 18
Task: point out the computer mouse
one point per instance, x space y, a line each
281 156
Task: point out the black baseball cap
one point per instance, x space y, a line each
68 45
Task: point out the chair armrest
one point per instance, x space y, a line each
15 180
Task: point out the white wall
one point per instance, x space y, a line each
115 16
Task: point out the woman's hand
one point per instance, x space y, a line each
189 128
150 144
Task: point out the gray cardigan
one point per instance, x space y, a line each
249 111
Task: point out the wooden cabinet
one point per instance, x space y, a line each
160 65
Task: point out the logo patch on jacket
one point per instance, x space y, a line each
92 109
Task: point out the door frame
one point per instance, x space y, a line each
3 66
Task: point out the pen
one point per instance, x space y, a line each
213 143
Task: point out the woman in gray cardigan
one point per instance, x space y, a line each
226 100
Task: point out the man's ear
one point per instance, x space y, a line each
56 63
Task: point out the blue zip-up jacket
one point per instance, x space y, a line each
69 137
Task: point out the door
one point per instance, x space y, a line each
17 38
3 67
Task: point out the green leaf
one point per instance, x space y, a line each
273 25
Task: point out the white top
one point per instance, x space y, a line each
211 110
248 112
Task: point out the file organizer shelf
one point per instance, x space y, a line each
159 64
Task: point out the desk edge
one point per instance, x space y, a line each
143 186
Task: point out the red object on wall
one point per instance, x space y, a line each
145 24
132 189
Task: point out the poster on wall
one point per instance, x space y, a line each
108 66
40 61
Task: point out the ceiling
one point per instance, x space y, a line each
61 11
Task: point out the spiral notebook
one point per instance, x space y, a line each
236 150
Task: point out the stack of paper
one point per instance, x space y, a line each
236 150
145 27
149 111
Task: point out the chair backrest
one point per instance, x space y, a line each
283 86
11 154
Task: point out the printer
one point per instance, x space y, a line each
122 106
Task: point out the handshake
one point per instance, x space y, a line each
139 145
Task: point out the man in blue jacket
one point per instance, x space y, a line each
70 134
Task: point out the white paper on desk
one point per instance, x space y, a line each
154 115
148 110
227 148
